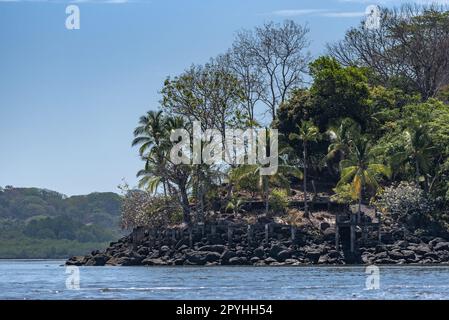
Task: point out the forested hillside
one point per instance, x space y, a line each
39 223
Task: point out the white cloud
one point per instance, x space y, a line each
344 14
296 12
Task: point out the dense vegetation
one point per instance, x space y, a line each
373 119
37 223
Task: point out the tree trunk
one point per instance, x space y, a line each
359 211
306 208
185 204
165 188
266 188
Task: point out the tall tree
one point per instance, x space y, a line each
308 132
361 171
278 54
409 49
418 151
153 137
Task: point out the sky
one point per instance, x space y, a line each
70 99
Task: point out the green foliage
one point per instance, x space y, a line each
361 171
31 218
338 92
245 178
31 248
278 200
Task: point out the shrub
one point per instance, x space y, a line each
278 200
142 209
404 201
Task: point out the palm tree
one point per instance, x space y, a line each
150 132
153 137
418 152
280 178
308 132
360 171
341 138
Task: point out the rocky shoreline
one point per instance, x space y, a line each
263 244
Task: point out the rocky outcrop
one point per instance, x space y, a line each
261 244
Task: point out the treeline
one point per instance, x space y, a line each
38 223
373 123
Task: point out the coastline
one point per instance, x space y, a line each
226 243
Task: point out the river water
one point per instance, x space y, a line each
49 279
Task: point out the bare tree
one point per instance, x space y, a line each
274 55
411 45
250 75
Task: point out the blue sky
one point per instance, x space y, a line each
69 99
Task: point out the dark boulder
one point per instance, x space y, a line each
283 255
259 252
441 246
226 256
154 262
238 261
218 248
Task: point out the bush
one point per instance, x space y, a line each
405 201
142 209
278 201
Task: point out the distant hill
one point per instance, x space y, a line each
40 223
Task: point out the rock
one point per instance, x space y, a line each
240 253
76 261
254 260
324 226
422 249
283 255
183 247
435 241
329 234
385 261
401 244
396 255
164 249
441 246
324 259
196 258
259 252
334 254
238 261
154 262
313 255
270 260
291 261
154 254
122 261
367 258
275 249
226 256
432 256
179 262
218 248
408 254
381 255
143 251
277 264
212 257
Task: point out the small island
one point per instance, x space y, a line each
358 139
